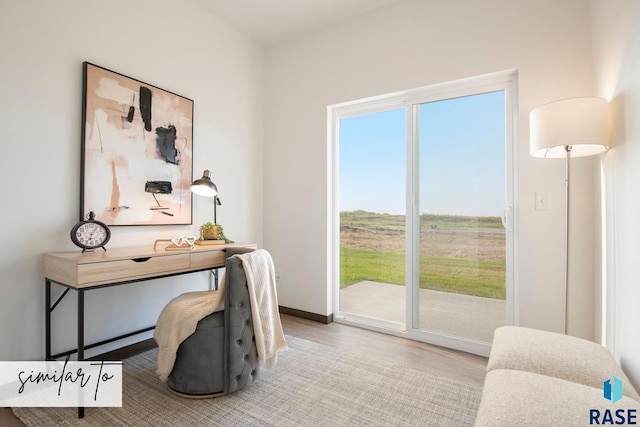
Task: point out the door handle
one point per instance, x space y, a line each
507 218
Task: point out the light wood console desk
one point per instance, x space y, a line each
93 270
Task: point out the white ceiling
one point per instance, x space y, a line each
270 22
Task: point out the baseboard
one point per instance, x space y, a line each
306 315
127 351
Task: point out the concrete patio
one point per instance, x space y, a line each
454 314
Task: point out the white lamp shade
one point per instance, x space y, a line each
582 123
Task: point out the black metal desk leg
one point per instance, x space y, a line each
47 319
80 335
80 324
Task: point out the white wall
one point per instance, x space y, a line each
616 38
418 43
175 45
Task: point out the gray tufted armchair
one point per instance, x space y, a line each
221 356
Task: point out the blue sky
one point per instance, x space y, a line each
462 151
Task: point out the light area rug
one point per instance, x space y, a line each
312 385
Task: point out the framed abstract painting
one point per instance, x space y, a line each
137 151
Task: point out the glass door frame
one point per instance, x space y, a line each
409 100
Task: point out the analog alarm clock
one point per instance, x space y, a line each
90 234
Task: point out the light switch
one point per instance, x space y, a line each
543 201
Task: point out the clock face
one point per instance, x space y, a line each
91 235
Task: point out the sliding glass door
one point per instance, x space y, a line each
423 196
461 252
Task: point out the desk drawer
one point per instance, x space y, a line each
129 269
209 259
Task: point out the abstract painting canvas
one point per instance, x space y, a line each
137 151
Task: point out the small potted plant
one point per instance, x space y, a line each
212 234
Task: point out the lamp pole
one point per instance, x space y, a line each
216 203
567 150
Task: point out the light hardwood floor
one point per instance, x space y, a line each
386 348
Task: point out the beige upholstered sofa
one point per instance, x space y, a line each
537 378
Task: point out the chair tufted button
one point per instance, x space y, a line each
239 342
237 377
239 304
247 323
246 356
253 372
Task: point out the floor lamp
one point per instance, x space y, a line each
569 128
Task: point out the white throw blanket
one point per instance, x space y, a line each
179 319
261 281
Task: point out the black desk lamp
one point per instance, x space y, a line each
206 188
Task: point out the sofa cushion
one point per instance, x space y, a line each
556 355
518 398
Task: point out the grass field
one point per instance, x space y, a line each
459 254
